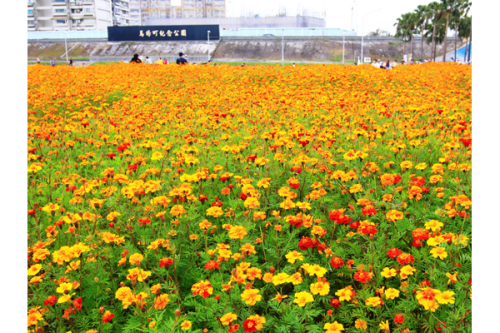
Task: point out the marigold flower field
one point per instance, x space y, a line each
227 199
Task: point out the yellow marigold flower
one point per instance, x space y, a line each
280 278
214 211
356 188
386 198
161 301
65 298
251 296
360 324
177 210
388 272
374 301
433 225
391 293
405 271
156 156
64 287
394 215
294 256
322 288
251 202
446 297
135 259
344 294
33 270
265 183
452 278
152 324
122 293
279 297
228 318
384 326
237 232
334 327
316 270
427 297
303 298
439 252
295 279
112 216
406 165
421 166
185 325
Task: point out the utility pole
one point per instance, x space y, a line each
343 48
363 34
283 48
208 46
66 44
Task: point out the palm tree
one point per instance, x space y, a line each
461 10
449 8
423 15
436 15
413 21
464 30
400 28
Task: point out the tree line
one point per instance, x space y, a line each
433 21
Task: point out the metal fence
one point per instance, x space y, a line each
246 32
287 32
68 34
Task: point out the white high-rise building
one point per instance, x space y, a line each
50 15
126 12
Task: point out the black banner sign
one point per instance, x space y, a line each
153 33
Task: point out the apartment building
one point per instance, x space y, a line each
51 15
161 9
126 12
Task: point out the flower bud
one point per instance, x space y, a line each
122 284
39 330
177 312
96 279
272 269
101 310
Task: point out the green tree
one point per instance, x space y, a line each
423 15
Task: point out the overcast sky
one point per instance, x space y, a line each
338 12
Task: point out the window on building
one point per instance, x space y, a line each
88 10
30 11
31 22
89 22
58 1
60 11
61 21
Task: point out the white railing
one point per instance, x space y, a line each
288 32
39 35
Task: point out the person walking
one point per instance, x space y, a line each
181 60
52 62
388 64
38 61
135 59
70 63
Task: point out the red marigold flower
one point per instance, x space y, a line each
399 319
250 325
143 221
202 198
111 155
78 303
363 276
354 225
106 318
405 258
165 262
212 264
369 230
369 211
296 169
335 303
424 284
420 234
393 253
51 300
337 262
233 328
305 243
